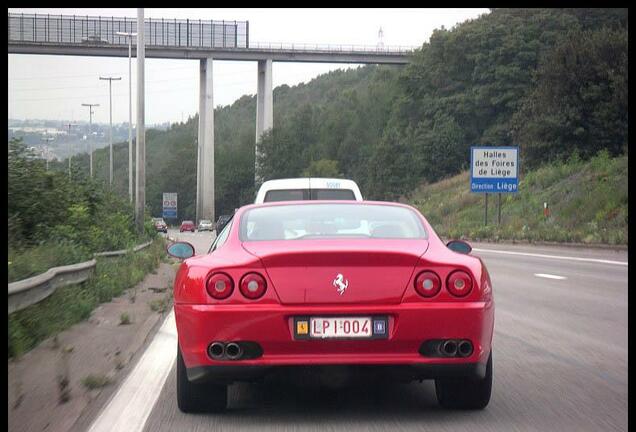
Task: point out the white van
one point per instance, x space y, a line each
302 189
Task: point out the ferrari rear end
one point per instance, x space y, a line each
349 285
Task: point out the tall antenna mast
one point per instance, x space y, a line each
380 37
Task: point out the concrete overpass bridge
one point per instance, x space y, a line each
202 40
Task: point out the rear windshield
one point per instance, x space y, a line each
332 194
307 194
287 195
311 221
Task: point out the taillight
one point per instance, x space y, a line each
219 286
253 286
459 283
427 284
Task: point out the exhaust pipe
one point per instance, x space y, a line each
449 348
465 348
216 350
233 351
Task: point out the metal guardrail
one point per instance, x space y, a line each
80 30
32 290
122 251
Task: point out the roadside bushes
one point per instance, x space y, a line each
54 220
74 303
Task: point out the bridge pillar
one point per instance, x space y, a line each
264 103
205 146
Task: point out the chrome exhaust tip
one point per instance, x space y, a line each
449 348
465 348
216 350
233 351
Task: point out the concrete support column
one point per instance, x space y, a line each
200 139
205 166
264 103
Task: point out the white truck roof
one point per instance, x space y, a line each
307 183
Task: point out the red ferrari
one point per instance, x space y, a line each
364 286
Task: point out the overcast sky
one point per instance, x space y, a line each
54 87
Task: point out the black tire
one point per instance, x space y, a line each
193 397
465 393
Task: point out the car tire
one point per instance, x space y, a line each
465 393
193 397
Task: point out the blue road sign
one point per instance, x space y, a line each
169 213
494 169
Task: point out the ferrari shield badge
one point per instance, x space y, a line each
340 283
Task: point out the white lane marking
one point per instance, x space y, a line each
129 409
549 276
602 261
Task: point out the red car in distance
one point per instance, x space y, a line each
186 225
360 287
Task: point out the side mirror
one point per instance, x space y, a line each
181 250
459 246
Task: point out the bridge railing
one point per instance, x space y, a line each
95 30
380 49
160 32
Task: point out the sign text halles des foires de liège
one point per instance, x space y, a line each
494 169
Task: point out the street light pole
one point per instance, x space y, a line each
110 106
90 131
140 201
130 149
46 151
70 154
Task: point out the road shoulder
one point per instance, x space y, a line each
86 356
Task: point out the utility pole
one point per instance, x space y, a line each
129 36
70 154
90 131
140 201
46 138
110 107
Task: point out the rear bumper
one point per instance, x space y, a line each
230 374
271 326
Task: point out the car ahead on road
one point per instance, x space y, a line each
221 222
160 225
309 188
332 286
186 225
205 225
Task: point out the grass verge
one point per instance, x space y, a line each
38 259
74 303
588 203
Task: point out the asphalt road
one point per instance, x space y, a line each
560 361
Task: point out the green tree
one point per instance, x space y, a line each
322 168
580 100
